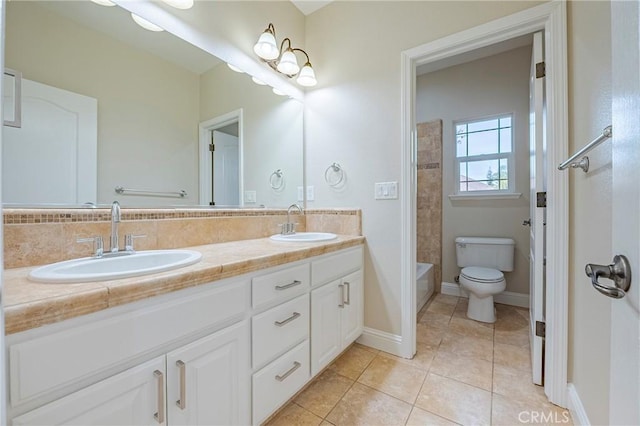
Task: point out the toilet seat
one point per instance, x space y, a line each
482 275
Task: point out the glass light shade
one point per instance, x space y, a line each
307 77
258 81
180 4
234 68
266 47
278 92
104 2
145 24
288 63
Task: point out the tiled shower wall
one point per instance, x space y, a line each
429 215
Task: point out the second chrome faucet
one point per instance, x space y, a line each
290 227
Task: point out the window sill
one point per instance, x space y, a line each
493 196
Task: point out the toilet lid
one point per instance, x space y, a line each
486 275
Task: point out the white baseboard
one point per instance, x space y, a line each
381 340
506 297
578 413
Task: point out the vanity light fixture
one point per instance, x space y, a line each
180 4
234 68
278 92
146 24
258 81
267 49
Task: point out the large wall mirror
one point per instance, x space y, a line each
140 109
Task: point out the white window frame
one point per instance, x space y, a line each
510 157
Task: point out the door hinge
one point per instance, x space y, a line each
541 70
541 329
212 147
541 199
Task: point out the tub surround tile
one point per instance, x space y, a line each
352 362
365 406
455 401
324 393
394 378
28 305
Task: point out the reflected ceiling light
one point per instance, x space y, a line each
145 24
104 2
180 4
234 68
267 49
278 92
258 81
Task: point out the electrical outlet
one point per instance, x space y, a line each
250 196
310 193
300 193
386 191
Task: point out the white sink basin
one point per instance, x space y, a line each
114 267
305 237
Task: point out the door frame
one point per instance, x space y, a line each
204 156
550 18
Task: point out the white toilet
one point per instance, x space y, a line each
481 260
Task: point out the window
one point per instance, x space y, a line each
484 155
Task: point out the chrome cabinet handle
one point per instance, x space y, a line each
619 272
288 320
286 286
341 305
348 286
182 402
289 372
159 416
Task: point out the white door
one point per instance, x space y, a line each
208 380
133 397
52 157
353 312
625 313
226 170
537 184
325 325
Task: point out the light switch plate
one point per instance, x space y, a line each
386 191
250 196
310 193
301 193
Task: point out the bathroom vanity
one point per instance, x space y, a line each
225 341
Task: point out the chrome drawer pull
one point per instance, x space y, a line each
296 365
341 305
348 285
182 402
286 286
159 416
288 320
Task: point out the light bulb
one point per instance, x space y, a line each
104 2
258 81
180 4
266 46
307 77
234 68
145 24
288 63
278 92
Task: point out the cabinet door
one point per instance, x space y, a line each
133 397
325 325
208 380
353 312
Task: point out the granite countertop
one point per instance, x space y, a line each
29 305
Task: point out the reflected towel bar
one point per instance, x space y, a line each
583 163
127 191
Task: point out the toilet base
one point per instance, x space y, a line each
481 308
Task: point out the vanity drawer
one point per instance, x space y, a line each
279 381
280 285
335 266
279 328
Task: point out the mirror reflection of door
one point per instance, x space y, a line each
226 166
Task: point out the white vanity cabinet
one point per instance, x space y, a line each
337 314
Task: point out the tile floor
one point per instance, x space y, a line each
465 372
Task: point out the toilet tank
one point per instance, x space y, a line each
494 253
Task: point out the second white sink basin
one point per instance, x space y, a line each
113 267
305 237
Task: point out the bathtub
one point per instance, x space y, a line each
424 284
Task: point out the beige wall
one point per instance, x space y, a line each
272 132
353 117
147 107
494 85
589 46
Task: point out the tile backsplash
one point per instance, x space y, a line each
41 236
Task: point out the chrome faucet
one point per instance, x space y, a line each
115 220
289 227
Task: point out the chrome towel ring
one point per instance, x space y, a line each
334 175
276 180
